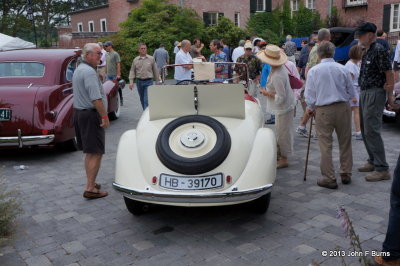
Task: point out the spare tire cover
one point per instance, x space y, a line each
197 165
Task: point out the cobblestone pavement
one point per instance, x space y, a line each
60 227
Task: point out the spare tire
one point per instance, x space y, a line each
196 165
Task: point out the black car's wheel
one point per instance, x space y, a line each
114 115
193 144
260 205
136 207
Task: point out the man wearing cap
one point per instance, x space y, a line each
113 66
376 82
144 70
329 89
254 66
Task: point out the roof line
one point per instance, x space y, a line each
88 9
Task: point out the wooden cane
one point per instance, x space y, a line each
308 149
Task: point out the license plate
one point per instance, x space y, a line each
5 114
191 183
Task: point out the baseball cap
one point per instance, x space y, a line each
107 43
365 28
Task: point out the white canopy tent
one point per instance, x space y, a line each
11 43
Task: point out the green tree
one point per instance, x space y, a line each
266 25
286 19
225 29
305 21
155 22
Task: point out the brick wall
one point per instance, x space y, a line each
65 36
228 7
95 15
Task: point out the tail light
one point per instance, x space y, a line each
228 179
154 180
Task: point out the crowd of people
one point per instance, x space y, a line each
332 93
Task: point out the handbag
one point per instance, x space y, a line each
295 82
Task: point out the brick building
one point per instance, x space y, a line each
384 13
89 24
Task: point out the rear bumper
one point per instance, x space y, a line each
21 141
172 198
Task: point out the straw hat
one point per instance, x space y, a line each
248 45
272 55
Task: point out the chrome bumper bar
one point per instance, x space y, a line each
21 141
178 197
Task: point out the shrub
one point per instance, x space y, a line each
10 208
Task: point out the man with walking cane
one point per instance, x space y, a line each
329 89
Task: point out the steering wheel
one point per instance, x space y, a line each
183 82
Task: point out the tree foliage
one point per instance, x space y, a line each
157 22
273 26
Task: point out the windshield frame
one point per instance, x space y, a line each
163 76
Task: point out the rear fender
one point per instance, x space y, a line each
64 128
111 90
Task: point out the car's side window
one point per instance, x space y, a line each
70 70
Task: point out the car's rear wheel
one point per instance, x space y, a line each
114 115
193 144
260 205
136 207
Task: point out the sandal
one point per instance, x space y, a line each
95 195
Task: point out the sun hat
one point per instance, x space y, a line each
248 45
272 55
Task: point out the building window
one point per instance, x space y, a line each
91 26
394 18
350 3
211 18
260 6
103 25
237 19
294 5
80 27
310 4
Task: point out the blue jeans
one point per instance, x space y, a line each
392 240
142 86
111 77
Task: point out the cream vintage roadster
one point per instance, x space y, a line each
199 143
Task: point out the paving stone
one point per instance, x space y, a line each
73 247
224 236
38 261
248 248
143 245
304 249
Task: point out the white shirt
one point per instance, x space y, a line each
182 73
103 58
327 83
355 70
176 49
237 52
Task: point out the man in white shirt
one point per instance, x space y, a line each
238 51
329 89
183 57
101 69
